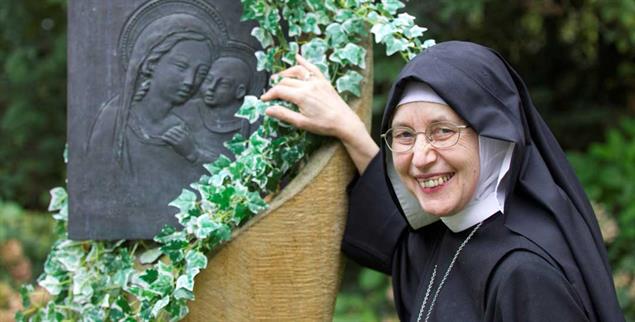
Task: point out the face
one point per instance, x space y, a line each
442 180
219 88
181 70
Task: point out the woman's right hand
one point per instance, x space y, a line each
321 110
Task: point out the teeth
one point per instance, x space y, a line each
433 182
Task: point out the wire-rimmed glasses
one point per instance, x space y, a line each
401 139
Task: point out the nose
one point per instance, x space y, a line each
190 78
423 153
213 84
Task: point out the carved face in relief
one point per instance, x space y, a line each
180 71
226 83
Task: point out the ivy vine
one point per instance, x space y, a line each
134 281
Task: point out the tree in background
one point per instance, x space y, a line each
32 99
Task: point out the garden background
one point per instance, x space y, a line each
577 57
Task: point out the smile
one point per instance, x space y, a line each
436 181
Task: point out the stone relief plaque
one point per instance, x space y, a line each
153 89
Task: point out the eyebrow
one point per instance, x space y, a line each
437 119
180 59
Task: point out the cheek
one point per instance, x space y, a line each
402 165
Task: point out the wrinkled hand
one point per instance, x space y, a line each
321 109
181 141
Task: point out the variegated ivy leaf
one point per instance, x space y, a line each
350 82
195 261
381 31
263 37
394 45
315 50
252 9
70 254
258 143
62 215
220 163
237 144
392 5
159 305
289 56
336 35
204 226
150 256
252 109
428 43
58 198
82 285
355 26
51 284
164 282
351 54
177 309
375 18
184 287
185 201
271 21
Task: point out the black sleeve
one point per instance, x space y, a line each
525 287
373 225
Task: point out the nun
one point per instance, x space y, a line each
469 203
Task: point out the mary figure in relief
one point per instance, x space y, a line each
137 143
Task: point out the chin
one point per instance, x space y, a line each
437 208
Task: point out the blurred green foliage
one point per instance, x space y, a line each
607 171
577 57
366 295
23 235
32 99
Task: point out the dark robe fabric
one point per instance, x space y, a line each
543 259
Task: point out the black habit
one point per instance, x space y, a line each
543 259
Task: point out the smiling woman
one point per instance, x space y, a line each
442 179
482 219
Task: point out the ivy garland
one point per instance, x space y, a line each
103 281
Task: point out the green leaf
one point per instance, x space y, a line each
355 26
252 108
159 305
289 56
310 24
51 284
58 198
220 163
351 54
150 256
149 276
336 35
195 261
264 37
24 294
315 50
185 201
381 31
350 82
394 45
392 5
204 226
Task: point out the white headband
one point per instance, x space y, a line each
420 92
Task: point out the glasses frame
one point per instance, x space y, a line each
416 134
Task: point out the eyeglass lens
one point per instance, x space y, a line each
439 135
